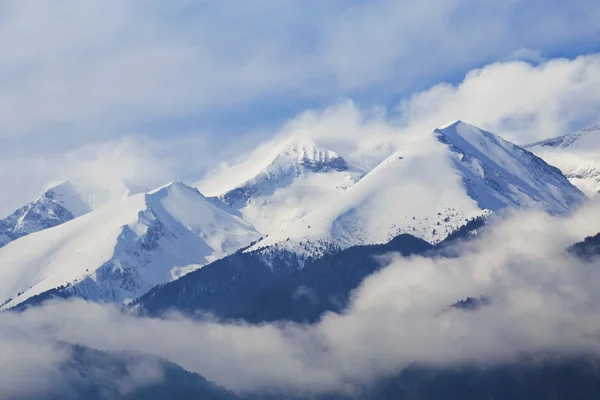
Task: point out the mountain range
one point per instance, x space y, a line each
292 201
120 251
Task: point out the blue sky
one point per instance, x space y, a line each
221 75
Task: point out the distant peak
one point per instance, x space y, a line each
459 124
303 145
593 128
451 124
302 151
460 129
60 185
281 159
567 140
174 185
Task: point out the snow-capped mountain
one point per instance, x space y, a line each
577 155
307 198
431 187
120 251
56 206
282 182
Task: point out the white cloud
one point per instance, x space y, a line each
29 368
524 54
96 69
79 73
517 100
33 367
130 162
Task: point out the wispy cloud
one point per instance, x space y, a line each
89 68
519 101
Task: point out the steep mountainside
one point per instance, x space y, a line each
120 251
324 284
221 288
56 206
577 155
432 187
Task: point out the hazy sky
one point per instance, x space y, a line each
148 90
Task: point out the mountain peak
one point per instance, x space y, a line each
280 182
465 130
591 133
576 154
305 154
57 205
452 124
60 203
270 167
272 162
301 154
175 186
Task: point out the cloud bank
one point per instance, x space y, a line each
542 301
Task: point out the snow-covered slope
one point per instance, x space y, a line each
281 182
56 206
431 187
577 155
120 251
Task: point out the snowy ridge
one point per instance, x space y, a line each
120 251
577 155
282 183
511 175
272 163
430 188
565 141
56 206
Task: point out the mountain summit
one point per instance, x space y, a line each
281 182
